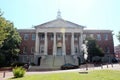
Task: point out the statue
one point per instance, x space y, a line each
85 53
84 50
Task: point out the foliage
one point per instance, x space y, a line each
2 60
9 40
93 49
18 72
118 36
3 32
91 75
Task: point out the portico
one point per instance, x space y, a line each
60 38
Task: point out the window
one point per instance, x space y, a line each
92 35
31 59
32 49
25 58
24 49
105 36
107 50
76 50
42 36
33 36
42 49
26 36
75 37
59 36
51 36
98 37
84 36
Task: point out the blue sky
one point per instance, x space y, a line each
94 14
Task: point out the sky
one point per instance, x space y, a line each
94 14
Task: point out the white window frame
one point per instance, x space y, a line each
98 37
106 37
26 36
33 36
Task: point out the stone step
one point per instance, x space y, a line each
58 61
48 61
69 59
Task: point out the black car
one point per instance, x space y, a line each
69 66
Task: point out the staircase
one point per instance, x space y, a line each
51 62
69 59
47 62
58 61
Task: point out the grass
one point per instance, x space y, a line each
92 75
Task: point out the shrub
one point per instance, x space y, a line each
18 72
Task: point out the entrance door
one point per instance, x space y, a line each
39 60
59 51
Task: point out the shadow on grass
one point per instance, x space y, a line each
15 78
85 72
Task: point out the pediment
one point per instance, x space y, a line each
59 23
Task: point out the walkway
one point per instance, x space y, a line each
115 67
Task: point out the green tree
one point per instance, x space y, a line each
9 40
93 49
118 36
3 32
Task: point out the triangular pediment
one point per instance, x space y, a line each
59 23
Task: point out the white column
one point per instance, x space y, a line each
72 45
45 44
54 45
37 44
64 46
81 41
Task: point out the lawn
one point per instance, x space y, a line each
91 75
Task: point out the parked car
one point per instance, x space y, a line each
69 66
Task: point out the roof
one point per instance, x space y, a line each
59 22
97 31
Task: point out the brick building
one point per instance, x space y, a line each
117 52
59 41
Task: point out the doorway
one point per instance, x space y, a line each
59 51
39 61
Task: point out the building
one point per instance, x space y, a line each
59 41
117 52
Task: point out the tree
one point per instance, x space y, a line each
3 32
9 40
93 49
118 36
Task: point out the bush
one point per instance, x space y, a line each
18 72
2 60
